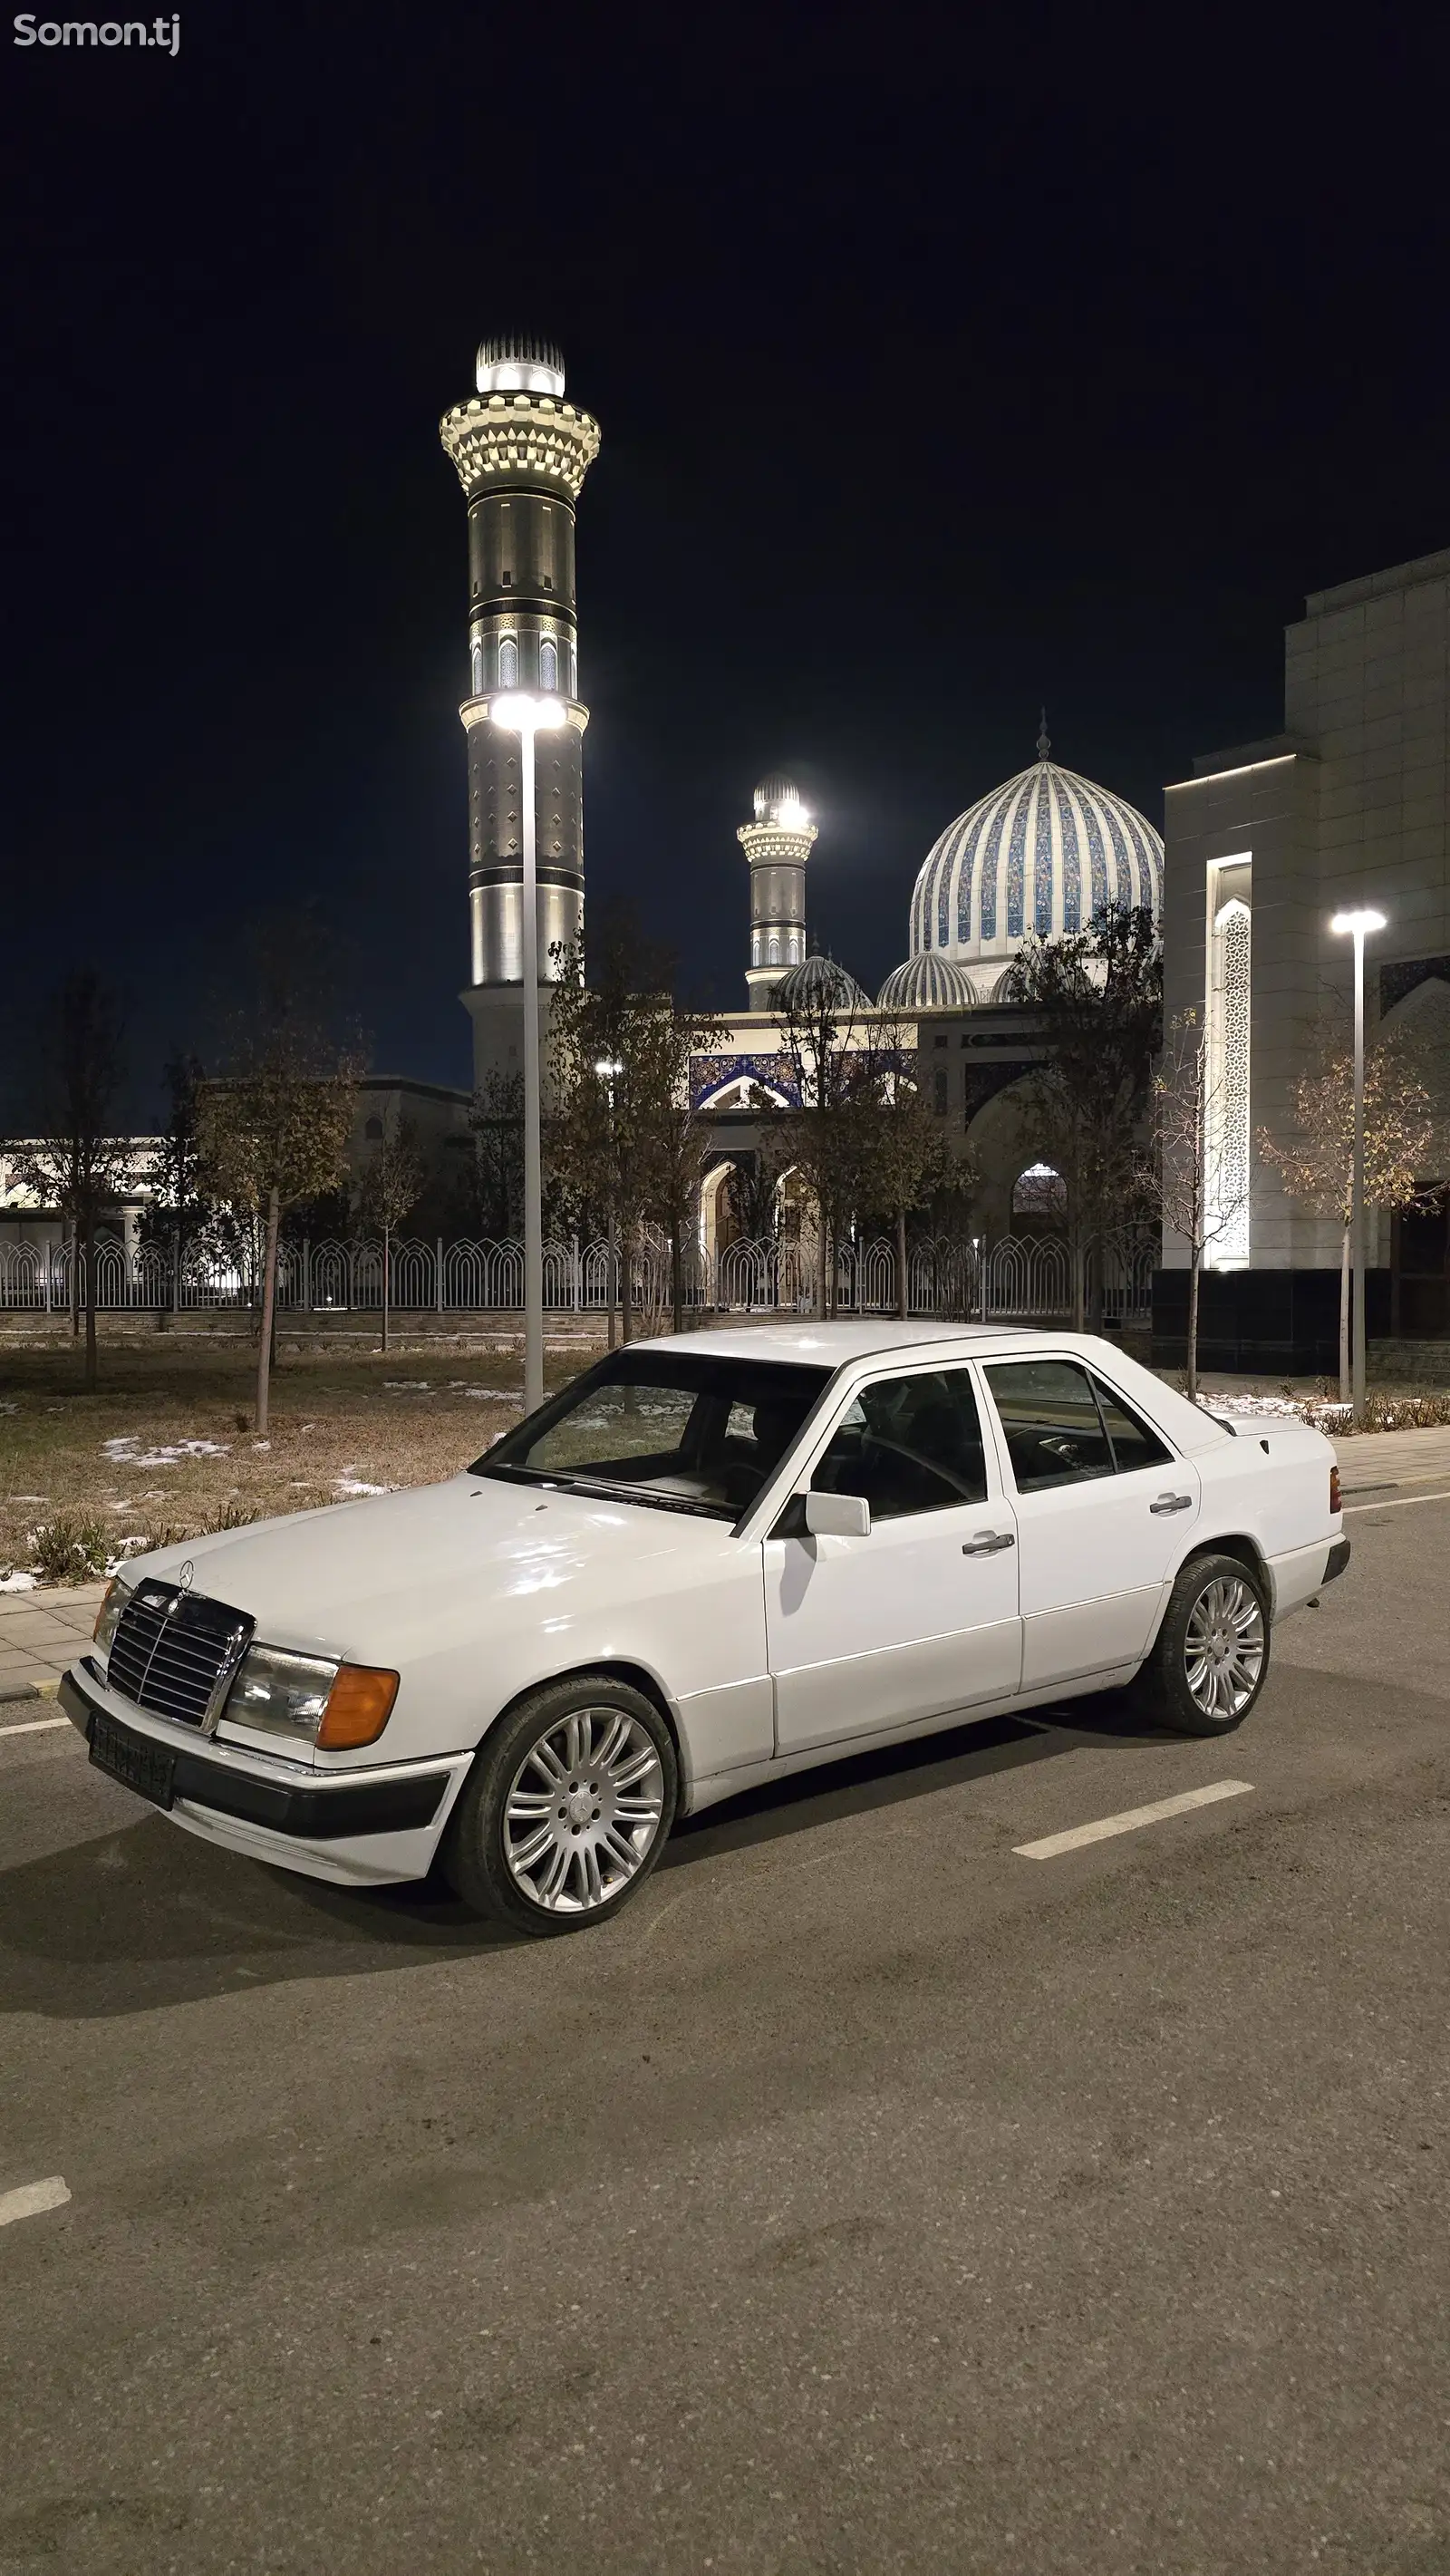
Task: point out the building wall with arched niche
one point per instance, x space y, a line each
1349 806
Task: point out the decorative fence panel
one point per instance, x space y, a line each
1024 1279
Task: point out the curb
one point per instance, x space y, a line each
15 1694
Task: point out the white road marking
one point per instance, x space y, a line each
1131 1819
34 1726
32 2198
1402 1505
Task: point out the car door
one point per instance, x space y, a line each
920 1616
1101 1505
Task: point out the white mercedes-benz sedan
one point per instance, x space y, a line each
709 1562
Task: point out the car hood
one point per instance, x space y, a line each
372 1580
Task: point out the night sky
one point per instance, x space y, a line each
947 362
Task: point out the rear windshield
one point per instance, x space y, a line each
676 1430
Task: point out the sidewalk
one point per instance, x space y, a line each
1371 1459
40 1633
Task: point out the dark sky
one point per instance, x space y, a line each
946 360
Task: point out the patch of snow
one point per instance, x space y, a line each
485 1394
261 1444
14 1581
30 1498
128 1452
408 1385
9 1408
354 1485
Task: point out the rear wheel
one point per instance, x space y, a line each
567 1807
1211 1654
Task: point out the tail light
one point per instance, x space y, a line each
1334 1489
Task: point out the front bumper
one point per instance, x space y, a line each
354 1830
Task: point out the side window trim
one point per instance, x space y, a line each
1150 1430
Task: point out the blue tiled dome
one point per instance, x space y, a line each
1041 853
930 982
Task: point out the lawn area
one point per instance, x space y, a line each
165 1449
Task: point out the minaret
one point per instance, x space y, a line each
521 452
777 844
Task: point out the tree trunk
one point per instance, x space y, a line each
1345 1317
75 1281
820 1262
269 1309
612 1265
903 1283
1078 1324
1190 1371
387 1282
626 1284
90 1248
677 1272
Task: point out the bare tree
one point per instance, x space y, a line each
902 1157
496 1118
1099 995
824 1037
392 1185
275 1128
1403 1138
1202 1196
623 1132
76 1163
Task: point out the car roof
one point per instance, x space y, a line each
863 1338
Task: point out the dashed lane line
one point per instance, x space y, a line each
1104 1827
32 2198
33 1726
1402 1505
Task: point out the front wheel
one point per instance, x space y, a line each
567 1807
1211 1654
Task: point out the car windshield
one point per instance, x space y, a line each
682 1431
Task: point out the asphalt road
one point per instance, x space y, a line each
867 2198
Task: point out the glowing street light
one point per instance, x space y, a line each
518 713
1358 925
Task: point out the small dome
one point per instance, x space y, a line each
820 980
927 983
513 363
1041 853
778 800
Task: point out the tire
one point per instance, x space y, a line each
1208 1663
567 1807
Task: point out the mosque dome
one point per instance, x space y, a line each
1041 853
929 982
819 980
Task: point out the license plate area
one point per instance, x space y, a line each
132 1759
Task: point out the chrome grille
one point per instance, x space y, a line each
175 1652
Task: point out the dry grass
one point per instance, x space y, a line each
74 1465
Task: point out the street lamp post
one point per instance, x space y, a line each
607 1069
1358 924
526 716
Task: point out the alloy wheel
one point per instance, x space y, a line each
1223 1651
583 1810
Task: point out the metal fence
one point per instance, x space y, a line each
1024 1278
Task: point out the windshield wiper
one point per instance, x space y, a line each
605 1489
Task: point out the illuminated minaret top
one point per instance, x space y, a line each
777 844
521 452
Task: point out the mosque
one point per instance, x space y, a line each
1037 854
1350 804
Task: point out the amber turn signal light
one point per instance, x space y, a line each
1333 1495
108 1602
359 1706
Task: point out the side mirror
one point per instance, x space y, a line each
838 1516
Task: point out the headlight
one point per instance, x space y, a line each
117 1594
285 1694
331 1704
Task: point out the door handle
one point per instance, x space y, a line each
988 1543
1172 1503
